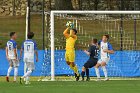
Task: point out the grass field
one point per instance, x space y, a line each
113 86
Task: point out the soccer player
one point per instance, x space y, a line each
105 50
11 54
70 50
30 48
93 59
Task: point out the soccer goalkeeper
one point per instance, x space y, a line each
71 38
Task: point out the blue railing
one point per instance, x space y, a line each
122 64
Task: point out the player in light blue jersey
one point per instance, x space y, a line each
11 54
105 51
29 47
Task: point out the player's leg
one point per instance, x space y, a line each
68 63
86 67
26 76
30 67
9 70
83 73
75 69
15 73
97 70
87 74
103 64
70 58
15 64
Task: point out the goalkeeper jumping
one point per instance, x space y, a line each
71 37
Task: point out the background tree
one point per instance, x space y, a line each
63 5
96 2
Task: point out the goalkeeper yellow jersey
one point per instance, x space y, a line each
70 43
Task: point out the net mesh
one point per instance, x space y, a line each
123 63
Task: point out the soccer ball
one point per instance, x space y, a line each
70 24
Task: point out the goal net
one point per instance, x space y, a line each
121 26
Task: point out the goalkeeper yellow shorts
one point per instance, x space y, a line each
70 55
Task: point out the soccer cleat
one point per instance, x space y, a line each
7 79
27 82
88 79
83 79
75 75
106 79
98 79
78 77
14 81
21 80
24 79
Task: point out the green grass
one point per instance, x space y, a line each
120 86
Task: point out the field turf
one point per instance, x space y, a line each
113 86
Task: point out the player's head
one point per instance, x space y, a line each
30 35
105 38
13 35
74 31
94 41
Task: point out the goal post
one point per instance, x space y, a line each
52 29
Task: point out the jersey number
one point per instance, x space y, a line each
10 47
96 53
28 47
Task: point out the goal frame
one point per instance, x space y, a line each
52 14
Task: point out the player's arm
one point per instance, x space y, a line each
72 35
65 33
36 53
7 53
15 50
99 43
88 52
109 50
21 51
15 53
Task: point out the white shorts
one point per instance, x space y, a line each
14 63
106 60
30 65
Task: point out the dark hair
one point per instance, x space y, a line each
30 35
107 36
95 40
75 31
12 33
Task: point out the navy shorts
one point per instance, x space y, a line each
90 63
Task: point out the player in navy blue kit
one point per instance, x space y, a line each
92 61
30 48
11 54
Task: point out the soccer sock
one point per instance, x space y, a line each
82 74
27 78
87 73
97 72
9 70
71 67
76 70
105 71
28 73
15 73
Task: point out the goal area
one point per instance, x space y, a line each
123 27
